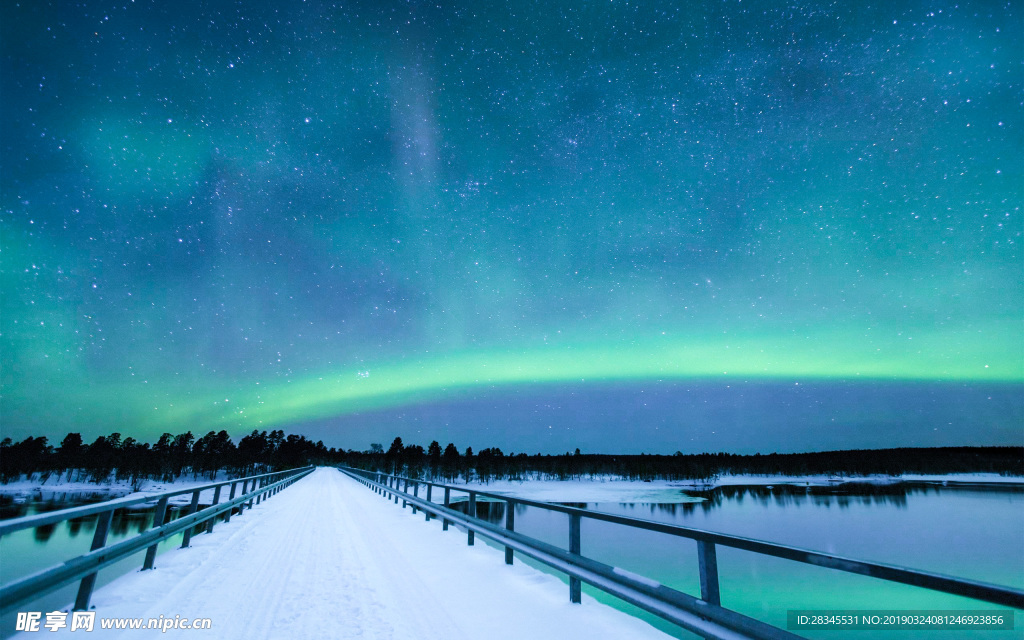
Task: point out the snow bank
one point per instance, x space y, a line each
58 489
609 489
825 480
603 489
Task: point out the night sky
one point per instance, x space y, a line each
624 226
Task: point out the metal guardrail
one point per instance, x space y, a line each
705 615
86 566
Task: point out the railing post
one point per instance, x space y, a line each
574 547
470 535
191 509
99 539
447 504
510 525
216 499
158 521
707 560
430 486
415 494
262 482
231 496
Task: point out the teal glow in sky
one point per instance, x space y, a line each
274 215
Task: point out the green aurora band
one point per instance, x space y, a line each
826 357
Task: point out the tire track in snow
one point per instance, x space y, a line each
400 597
248 571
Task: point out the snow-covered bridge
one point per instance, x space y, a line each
330 559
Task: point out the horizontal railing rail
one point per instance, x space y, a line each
643 592
86 566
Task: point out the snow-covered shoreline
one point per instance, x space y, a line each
56 488
612 489
586 489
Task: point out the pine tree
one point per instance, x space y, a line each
434 458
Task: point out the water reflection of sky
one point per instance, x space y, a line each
885 523
971 532
30 550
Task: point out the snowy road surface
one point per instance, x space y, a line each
327 558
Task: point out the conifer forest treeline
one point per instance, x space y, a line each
172 456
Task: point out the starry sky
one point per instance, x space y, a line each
626 226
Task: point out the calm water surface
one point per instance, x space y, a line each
28 551
970 532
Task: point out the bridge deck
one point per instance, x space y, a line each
329 559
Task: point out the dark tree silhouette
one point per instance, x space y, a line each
69 455
450 462
434 458
174 455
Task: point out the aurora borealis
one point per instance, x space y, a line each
796 226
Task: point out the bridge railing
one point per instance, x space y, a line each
705 615
253 489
